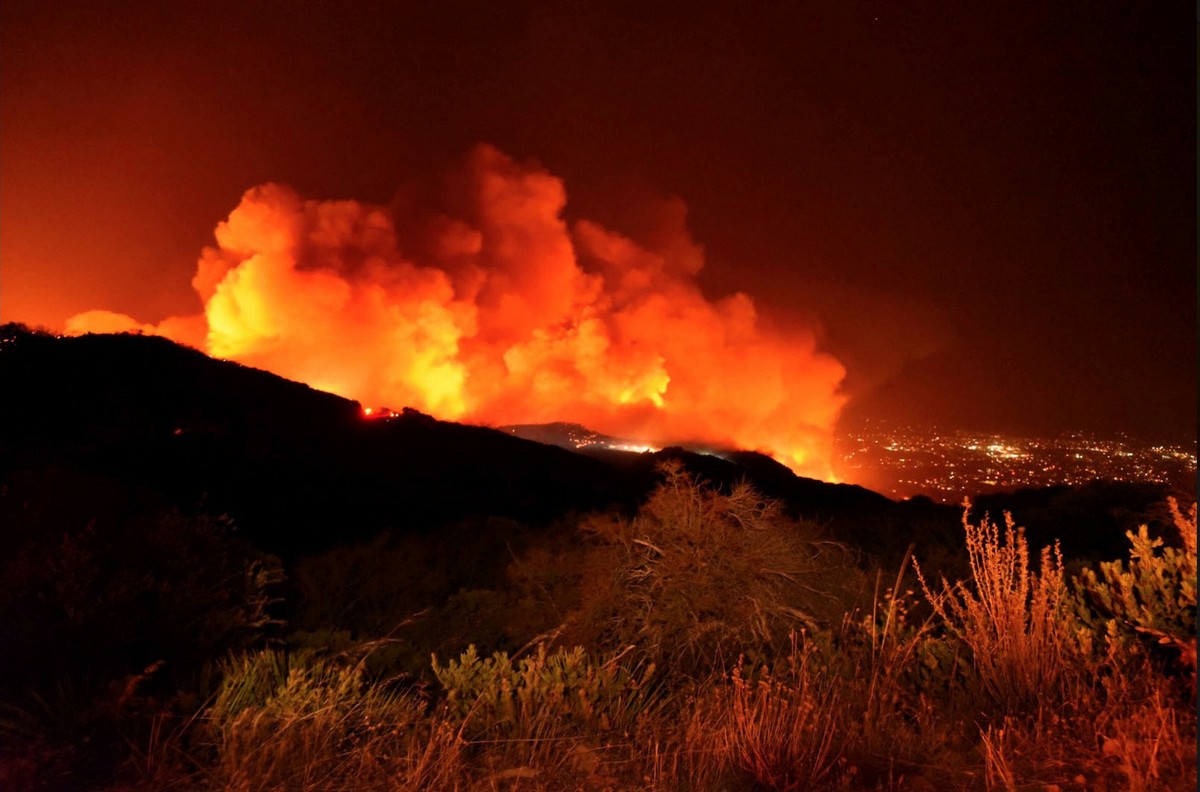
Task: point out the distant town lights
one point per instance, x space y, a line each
950 465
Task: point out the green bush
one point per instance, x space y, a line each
295 721
1153 596
545 692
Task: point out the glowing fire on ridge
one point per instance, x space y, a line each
495 311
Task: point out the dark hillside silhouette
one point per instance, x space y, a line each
300 470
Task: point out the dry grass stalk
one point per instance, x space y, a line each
998 774
782 731
1014 619
1151 743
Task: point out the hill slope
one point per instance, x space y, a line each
300 469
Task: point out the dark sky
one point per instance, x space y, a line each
990 207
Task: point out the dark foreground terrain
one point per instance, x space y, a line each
216 578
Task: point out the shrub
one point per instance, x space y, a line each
284 721
109 599
699 575
357 587
544 692
1153 596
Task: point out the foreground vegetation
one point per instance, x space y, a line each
707 642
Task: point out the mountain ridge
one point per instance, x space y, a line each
300 470
272 452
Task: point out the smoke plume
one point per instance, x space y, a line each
492 309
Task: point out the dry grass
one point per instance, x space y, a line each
1150 749
1128 734
559 719
782 730
993 746
1016 621
1144 733
890 667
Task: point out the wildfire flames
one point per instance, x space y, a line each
494 310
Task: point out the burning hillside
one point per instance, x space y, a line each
490 308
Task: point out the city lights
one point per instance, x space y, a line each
901 461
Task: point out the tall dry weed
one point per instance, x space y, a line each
1016 620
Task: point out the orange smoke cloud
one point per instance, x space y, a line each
499 312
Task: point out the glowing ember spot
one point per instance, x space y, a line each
637 449
491 309
377 413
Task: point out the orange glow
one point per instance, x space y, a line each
502 313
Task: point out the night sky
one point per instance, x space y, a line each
989 209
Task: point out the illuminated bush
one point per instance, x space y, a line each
287 721
1153 596
699 576
497 695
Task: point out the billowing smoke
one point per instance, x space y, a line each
493 310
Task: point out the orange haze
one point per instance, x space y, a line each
496 311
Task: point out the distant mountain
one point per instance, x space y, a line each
571 436
719 466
